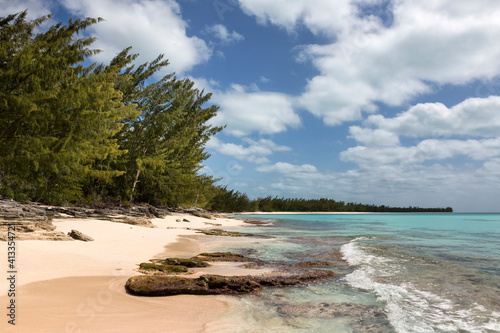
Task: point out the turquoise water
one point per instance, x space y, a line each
402 273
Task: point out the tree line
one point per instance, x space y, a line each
235 201
77 132
74 131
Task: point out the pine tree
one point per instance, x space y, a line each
166 141
57 116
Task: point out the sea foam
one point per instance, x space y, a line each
408 308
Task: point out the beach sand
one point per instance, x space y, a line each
74 286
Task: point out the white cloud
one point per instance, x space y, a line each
255 151
472 117
322 16
428 42
287 168
474 124
426 150
151 27
220 32
264 79
373 137
36 8
246 112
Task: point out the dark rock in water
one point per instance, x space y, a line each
204 285
315 264
224 256
257 222
75 234
293 277
332 310
369 319
334 257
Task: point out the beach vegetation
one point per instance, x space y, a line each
77 132
233 201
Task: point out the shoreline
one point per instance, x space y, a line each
337 213
306 213
75 286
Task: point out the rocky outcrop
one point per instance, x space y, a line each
144 285
225 256
147 267
37 235
138 221
75 234
27 222
189 263
33 221
110 213
282 275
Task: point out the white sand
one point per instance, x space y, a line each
74 286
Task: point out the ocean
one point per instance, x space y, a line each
400 273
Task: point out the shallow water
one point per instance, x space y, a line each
402 273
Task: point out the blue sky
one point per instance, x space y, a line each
373 101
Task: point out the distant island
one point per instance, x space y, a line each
234 201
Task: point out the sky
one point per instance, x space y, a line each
387 102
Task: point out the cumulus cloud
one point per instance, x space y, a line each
221 33
472 117
320 16
474 124
287 168
246 112
254 151
371 61
152 27
36 8
426 150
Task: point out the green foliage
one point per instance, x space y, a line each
226 200
57 117
166 141
72 132
232 201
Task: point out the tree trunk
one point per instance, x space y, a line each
134 185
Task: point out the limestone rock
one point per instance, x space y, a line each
144 285
75 234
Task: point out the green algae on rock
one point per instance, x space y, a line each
152 267
189 263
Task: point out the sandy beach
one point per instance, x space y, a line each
75 286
